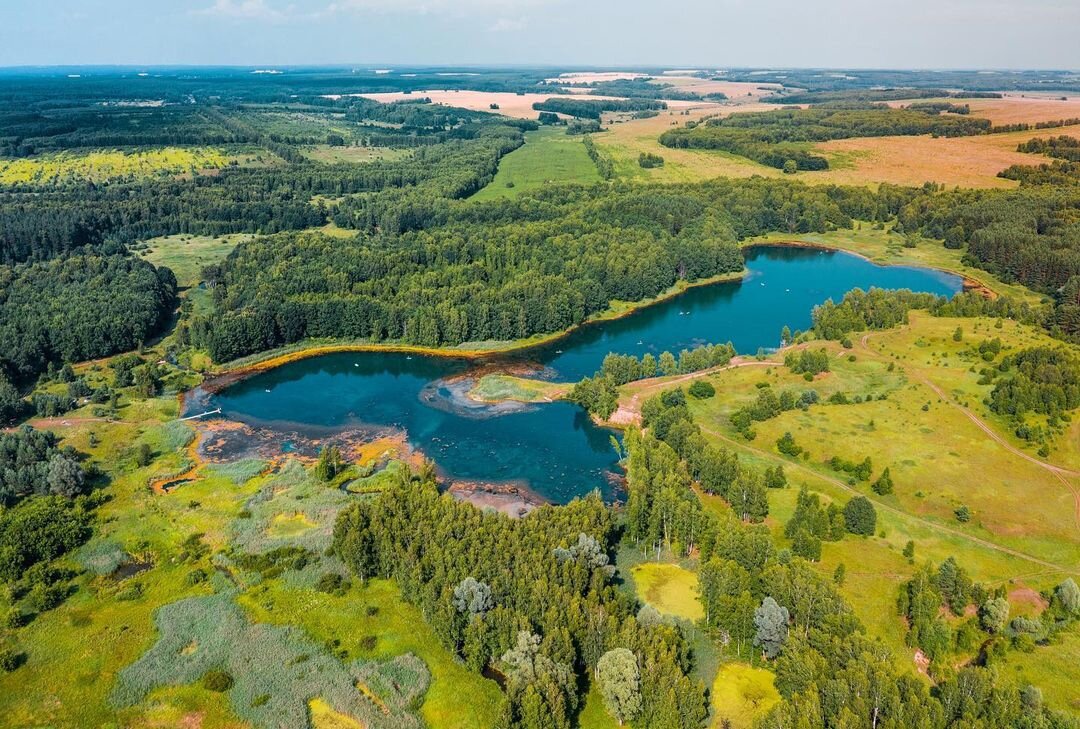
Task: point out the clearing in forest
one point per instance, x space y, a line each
549 156
669 588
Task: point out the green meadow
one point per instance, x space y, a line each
549 156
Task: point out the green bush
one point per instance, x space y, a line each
10 660
860 516
701 390
216 680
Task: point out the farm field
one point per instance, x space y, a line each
515 105
1017 108
899 160
964 161
549 157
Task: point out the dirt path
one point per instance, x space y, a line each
631 412
1058 472
892 510
46 423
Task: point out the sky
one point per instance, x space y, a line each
605 33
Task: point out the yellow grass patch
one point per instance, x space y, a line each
101 165
289 525
499 387
668 588
324 717
742 694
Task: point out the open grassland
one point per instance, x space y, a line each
353 155
671 589
625 140
1054 668
741 694
549 156
187 255
1024 530
105 165
938 457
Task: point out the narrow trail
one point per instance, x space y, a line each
1056 568
1058 472
632 413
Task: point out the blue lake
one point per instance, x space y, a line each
554 448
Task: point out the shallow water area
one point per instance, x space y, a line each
553 448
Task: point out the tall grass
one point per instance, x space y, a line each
211 633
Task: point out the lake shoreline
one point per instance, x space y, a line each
233 372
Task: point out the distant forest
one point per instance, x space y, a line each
411 215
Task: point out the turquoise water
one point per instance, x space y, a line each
554 448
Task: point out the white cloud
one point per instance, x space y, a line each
246 9
508 25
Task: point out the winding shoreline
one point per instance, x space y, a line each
230 373
234 371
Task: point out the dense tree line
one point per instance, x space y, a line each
1030 235
441 272
883 309
78 308
648 88
874 95
940 107
599 394
1062 147
1038 380
41 529
586 108
32 464
531 597
502 271
773 138
39 225
604 166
